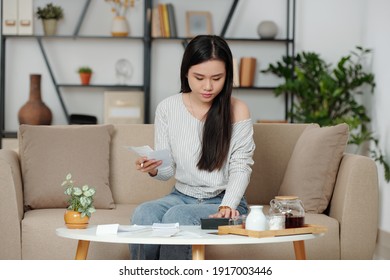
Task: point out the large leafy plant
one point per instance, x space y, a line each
329 95
81 198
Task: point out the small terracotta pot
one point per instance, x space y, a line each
85 78
73 220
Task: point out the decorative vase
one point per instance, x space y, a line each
35 112
85 78
73 220
247 71
49 26
119 27
256 219
267 29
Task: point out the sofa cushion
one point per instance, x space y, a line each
312 169
49 153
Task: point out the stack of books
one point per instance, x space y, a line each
164 21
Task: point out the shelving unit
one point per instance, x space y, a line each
145 87
147 42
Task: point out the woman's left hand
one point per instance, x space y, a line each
225 212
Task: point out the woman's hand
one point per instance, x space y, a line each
144 164
225 212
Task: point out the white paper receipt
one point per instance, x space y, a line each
146 151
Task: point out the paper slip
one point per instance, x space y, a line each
146 151
107 229
133 228
165 230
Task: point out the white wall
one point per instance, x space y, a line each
377 37
329 27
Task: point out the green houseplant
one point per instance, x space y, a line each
330 95
80 203
85 73
49 15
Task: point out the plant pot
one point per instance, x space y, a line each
73 220
49 26
85 78
119 27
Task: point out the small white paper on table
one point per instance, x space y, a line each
147 151
107 229
133 228
165 230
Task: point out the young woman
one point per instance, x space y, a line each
210 137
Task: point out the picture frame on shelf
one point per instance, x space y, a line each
124 107
198 23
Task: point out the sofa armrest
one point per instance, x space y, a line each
11 205
355 204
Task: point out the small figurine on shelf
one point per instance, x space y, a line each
120 26
85 73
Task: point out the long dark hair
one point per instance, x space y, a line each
217 129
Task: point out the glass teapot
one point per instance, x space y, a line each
291 207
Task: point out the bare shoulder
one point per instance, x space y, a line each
240 110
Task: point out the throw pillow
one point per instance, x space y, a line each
312 169
49 153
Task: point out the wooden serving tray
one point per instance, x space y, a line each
239 230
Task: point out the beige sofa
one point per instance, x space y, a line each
351 220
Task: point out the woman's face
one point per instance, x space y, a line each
207 79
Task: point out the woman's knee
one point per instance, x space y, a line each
147 213
182 214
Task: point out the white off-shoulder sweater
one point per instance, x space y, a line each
181 133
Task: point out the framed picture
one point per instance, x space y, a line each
198 23
123 107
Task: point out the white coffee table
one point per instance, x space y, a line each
188 235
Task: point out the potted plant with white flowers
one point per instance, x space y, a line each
80 203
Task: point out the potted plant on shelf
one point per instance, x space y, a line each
85 73
80 204
329 96
49 14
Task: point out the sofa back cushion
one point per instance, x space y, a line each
274 146
311 172
49 153
128 184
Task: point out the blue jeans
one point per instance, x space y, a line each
175 207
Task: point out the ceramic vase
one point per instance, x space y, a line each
73 220
247 71
35 111
119 27
267 29
256 219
